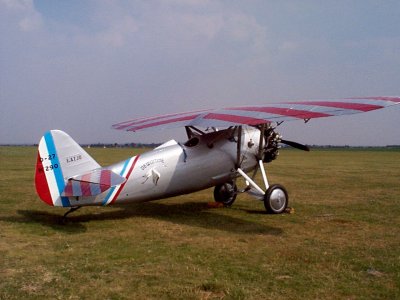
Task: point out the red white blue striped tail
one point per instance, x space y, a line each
59 159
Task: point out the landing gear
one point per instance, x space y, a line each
225 193
72 209
276 199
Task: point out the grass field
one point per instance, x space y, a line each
342 242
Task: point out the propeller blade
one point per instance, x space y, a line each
296 145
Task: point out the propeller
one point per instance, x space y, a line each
295 145
272 140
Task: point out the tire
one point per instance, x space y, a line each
276 199
225 193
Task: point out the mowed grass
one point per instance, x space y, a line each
342 242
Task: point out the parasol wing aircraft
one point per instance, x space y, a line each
222 145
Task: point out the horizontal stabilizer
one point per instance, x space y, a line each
92 183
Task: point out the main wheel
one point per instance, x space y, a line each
276 199
225 193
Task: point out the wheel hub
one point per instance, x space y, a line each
277 199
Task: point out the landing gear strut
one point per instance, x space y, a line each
275 198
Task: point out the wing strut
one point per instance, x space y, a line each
239 147
190 131
261 142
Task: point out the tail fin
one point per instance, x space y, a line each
59 159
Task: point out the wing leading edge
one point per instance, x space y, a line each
254 115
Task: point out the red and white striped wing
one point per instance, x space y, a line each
254 115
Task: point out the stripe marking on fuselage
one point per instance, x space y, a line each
125 172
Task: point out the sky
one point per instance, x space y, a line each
82 65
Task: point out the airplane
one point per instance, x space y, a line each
222 146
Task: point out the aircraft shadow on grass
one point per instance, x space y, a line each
194 214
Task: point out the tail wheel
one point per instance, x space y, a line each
276 199
225 193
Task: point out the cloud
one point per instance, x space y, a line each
18 5
115 60
27 18
117 34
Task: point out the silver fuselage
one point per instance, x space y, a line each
174 169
